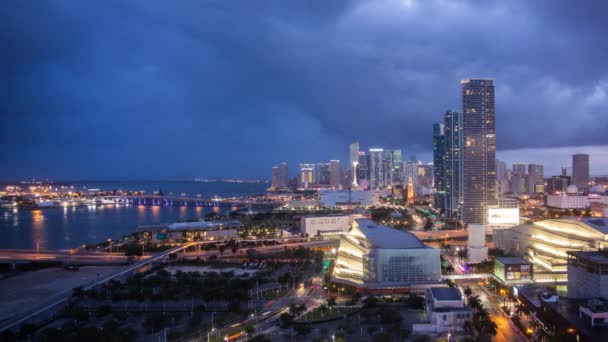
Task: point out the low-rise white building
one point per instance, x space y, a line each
446 311
324 225
575 201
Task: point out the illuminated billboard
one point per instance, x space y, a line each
503 216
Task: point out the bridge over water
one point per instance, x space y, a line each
187 201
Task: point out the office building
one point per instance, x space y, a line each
536 179
376 157
580 171
546 243
373 256
363 171
558 184
279 176
446 311
519 168
453 163
439 145
354 162
388 167
397 163
425 175
307 178
588 274
410 172
335 174
479 158
502 179
519 184
322 174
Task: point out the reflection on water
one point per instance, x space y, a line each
61 228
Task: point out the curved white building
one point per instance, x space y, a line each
375 256
546 243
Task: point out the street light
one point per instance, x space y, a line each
449 335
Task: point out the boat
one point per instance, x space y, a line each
46 204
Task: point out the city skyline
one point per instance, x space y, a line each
132 106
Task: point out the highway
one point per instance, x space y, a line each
63 297
76 256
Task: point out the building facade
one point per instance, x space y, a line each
279 176
376 157
588 274
536 179
453 163
546 243
373 256
580 171
335 174
479 158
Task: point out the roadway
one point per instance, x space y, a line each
76 256
62 298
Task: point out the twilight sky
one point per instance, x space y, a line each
207 88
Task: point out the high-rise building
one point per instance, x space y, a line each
307 178
453 162
322 174
425 175
410 171
439 157
279 176
502 181
580 171
479 159
519 168
396 167
335 174
376 156
536 179
354 162
388 167
558 184
519 184
363 170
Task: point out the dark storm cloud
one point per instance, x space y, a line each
188 88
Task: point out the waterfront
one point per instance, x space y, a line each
69 227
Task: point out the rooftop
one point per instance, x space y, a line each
446 293
599 223
595 256
385 237
512 260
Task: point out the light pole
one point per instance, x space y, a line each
449 335
37 247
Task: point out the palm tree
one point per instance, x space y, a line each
488 327
468 292
474 302
481 314
331 302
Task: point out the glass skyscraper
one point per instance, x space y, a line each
453 162
479 157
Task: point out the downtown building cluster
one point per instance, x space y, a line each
464 155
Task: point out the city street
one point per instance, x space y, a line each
507 331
